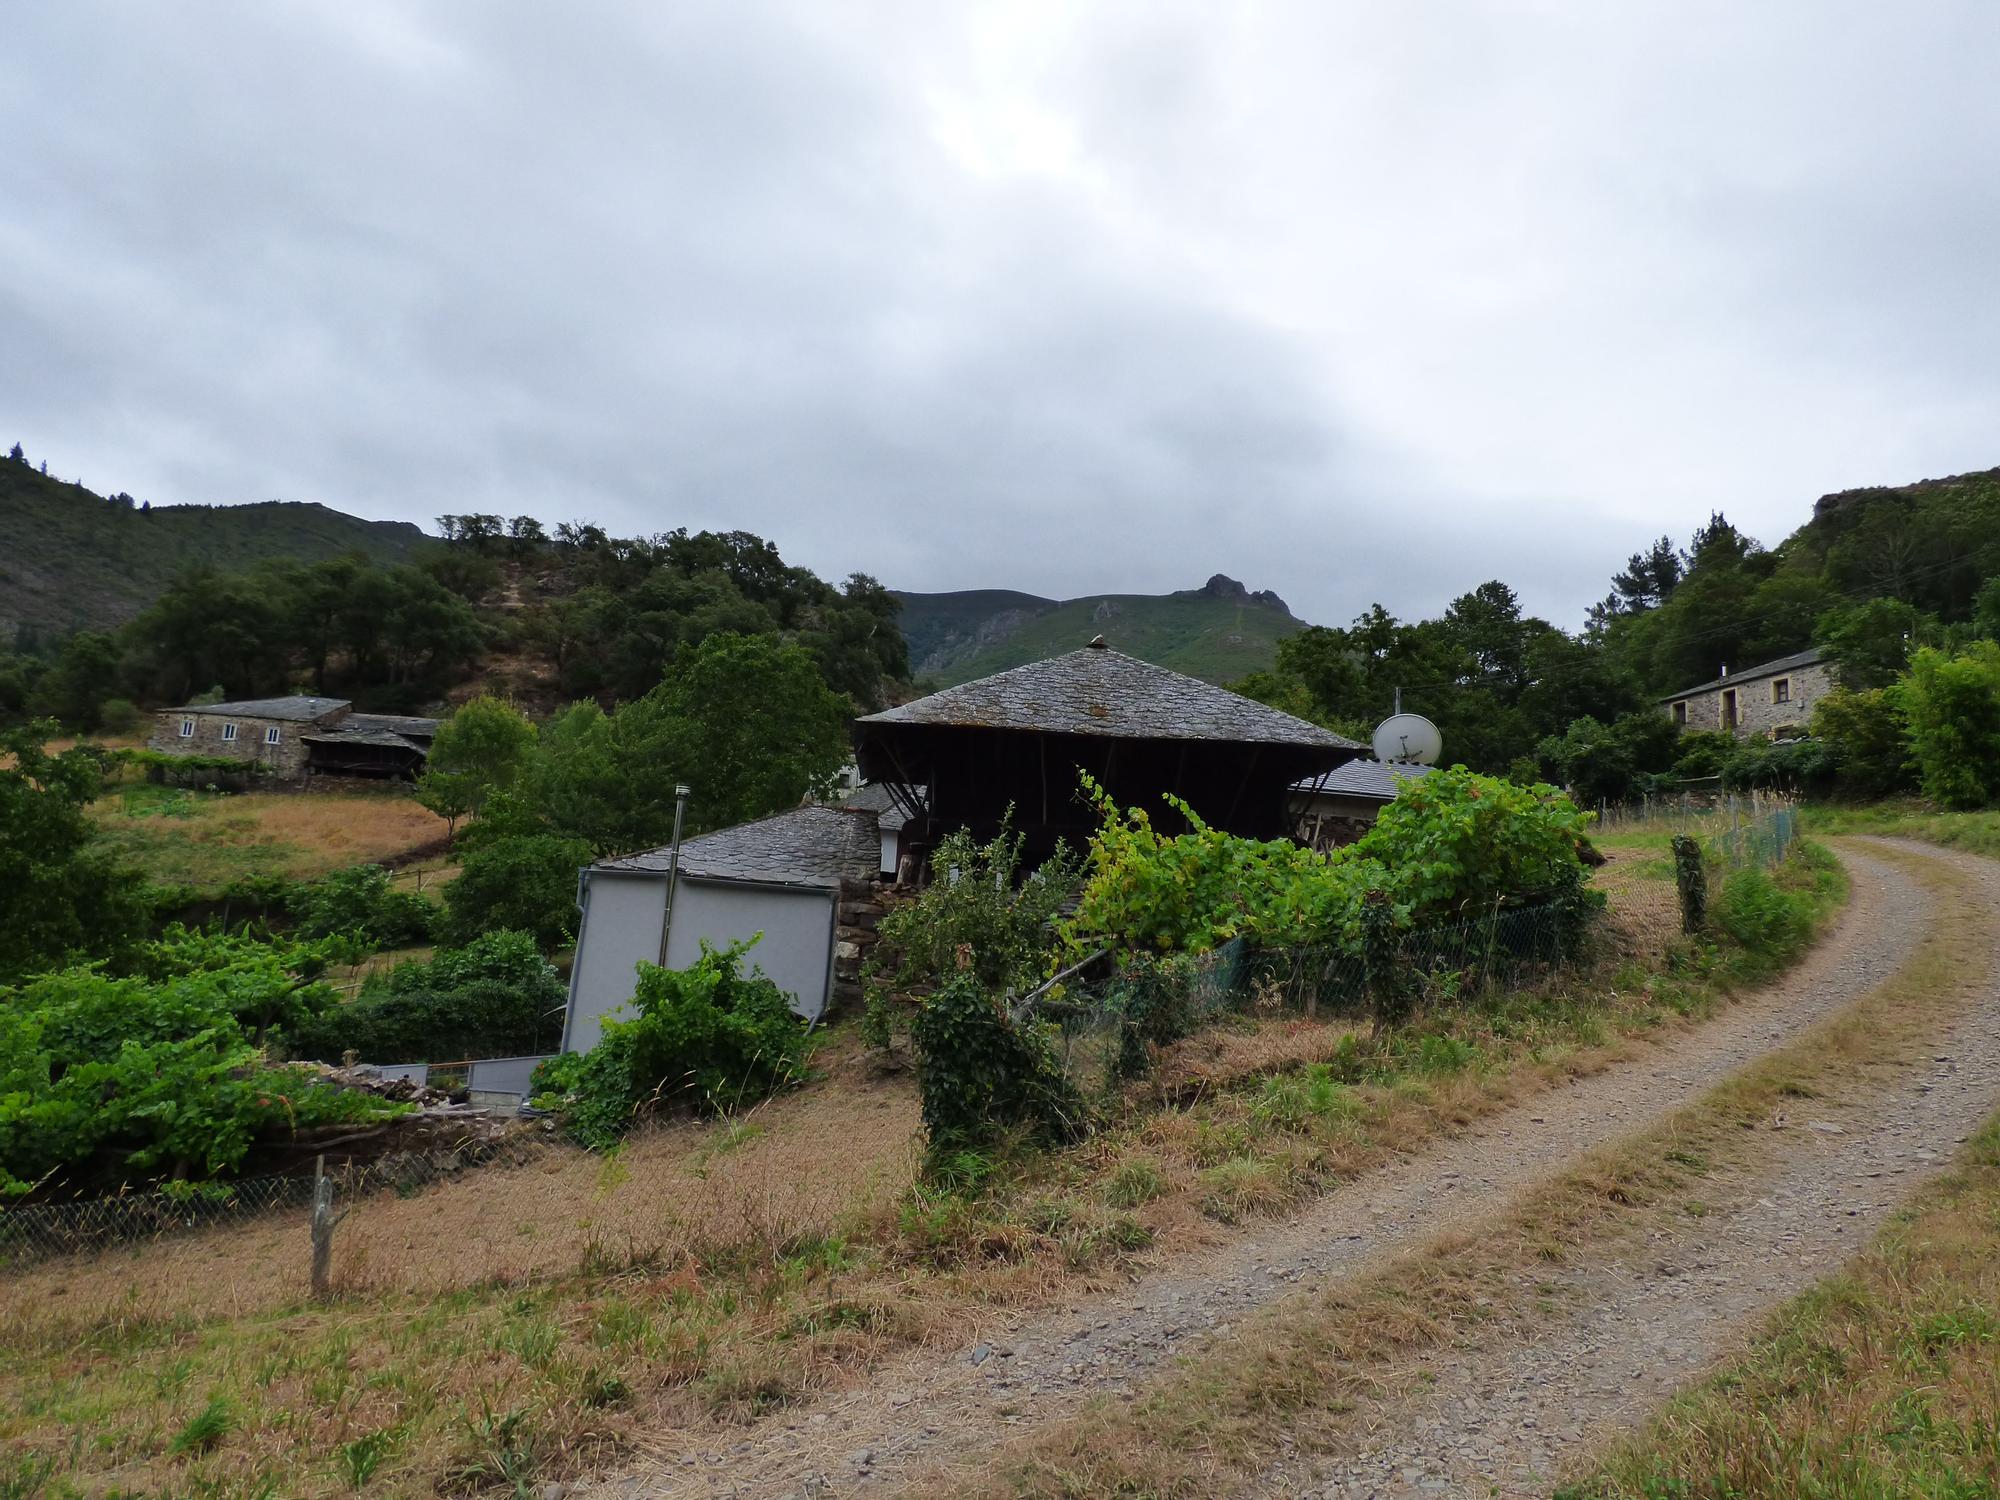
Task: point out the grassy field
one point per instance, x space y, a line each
1976 832
1879 1383
523 1323
208 839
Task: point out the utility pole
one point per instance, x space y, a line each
681 795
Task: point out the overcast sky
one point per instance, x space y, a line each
1354 301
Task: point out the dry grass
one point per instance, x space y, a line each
701 1273
1879 1383
1304 1366
206 840
530 1319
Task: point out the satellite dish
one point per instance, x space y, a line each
1407 738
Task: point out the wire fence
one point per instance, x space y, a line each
1703 809
1763 841
35 1232
1100 1029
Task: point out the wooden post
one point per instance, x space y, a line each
323 1220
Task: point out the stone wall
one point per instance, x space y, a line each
1756 714
860 908
287 758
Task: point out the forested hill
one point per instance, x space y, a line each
1221 631
71 559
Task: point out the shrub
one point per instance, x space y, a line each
524 883
982 1076
1450 843
59 897
1869 736
979 902
1803 766
1455 841
495 997
1953 709
708 1037
1192 892
1757 914
978 907
112 1080
363 902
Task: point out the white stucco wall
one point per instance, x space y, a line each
622 915
622 919
796 950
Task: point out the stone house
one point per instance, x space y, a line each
1773 700
298 736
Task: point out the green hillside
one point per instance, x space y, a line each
1220 632
71 559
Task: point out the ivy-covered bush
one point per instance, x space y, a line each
981 1075
109 1081
1154 998
495 997
363 902
707 1037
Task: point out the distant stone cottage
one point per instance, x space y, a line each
299 736
1773 700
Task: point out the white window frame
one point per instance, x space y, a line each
228 732
187 729
270 734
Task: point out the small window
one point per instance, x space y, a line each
1781 690
229 731
1729 708
271 735
1680 713
187 729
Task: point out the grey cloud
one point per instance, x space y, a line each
1333 299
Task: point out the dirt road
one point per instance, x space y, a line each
1504 1417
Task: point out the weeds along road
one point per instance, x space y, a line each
1551 1357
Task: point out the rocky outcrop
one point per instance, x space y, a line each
1222 586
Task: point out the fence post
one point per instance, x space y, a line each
323 1221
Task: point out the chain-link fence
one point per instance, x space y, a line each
40 1231
1101 1027
1761 841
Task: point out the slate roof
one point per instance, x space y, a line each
817 846
876 798
1751 674
302 710
1098 691
1373 779
340 734
391 723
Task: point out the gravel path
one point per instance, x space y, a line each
927 1406
1647 1321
